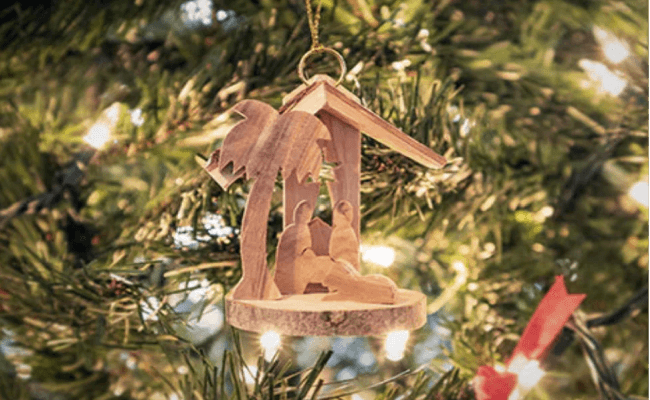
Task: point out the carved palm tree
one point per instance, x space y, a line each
260 146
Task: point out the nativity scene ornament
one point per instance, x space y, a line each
317 288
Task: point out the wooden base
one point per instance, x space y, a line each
309 315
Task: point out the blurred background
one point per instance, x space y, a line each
116 248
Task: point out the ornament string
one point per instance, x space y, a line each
313 18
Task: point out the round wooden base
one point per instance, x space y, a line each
308 315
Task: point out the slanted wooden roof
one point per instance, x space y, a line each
321 94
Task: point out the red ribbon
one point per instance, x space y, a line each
492 385
545 325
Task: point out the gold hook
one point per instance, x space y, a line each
339 57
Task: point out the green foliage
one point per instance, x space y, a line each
540 162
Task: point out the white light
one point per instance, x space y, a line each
249 374
221 15
465 127
100 132
547 211
530 375
98 135
396 345
528 372
182 370
136 117
197 10
615 50
460 268
270 342
422 34
608 82
639 192
380 255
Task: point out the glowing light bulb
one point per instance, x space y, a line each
639 192
380 255
607 81
396 345
100 132
614 49
530 375
270 342
528 372
98 135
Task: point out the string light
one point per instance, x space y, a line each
100 133
528 374
606 80
381 255
197 11
136 117
270 342
639 192
614 49
396 345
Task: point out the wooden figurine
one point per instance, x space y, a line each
298 265
317 288
295 258
344 243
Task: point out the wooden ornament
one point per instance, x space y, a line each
317 288
261 145
294 258
344 243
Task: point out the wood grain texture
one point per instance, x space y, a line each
295 192
323 95
295 142
344 242
260 146
269 155
346 151
244 136
308 314
346 284
294 241
223 178
320 236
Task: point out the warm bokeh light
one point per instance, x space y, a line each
639 192
270 342
380 255
396 345
614 49
100 133
530 375
528 372
605 80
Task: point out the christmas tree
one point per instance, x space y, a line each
117 248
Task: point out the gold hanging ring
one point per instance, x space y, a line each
339 57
